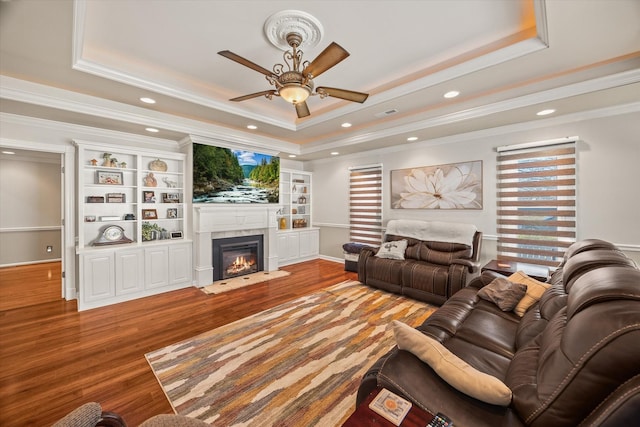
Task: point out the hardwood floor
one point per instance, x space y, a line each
53 358
32 284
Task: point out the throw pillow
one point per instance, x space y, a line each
392 250
535 289
503 293
455 371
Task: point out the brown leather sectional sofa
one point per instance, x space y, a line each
432 270
573 359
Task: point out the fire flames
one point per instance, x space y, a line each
241 264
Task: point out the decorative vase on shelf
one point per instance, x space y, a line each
283 223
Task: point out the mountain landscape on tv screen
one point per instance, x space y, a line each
222 175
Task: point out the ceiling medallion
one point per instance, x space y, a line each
280 24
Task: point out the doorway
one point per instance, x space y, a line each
31 227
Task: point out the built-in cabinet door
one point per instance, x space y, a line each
97 276
129 271
288 246
309 241
156 266
179 264
283 248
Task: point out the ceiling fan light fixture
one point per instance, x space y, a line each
294 93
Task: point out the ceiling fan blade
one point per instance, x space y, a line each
329 57
348 95
302 109
254 95
240 60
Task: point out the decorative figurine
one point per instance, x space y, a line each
123 165
93 162
170 184
150 180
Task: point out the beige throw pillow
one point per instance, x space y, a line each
392 250
503 293
535 289
455 371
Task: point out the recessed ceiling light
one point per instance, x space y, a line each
292 156
8 152
252 127
412 138
148 100
153 130
546 112
334 153
346 125
451 94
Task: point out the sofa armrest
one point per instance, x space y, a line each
405 374
484 279
365 254
473 266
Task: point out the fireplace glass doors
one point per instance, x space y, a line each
237 256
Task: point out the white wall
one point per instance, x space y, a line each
608 178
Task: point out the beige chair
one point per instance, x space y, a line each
91 415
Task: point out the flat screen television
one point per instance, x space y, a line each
222 175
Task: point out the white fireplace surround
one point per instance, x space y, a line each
216 222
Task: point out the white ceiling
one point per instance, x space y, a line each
88 62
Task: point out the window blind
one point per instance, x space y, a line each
536 203
365 205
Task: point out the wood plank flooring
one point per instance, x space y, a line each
53 358
32 284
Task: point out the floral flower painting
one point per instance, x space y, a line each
452 186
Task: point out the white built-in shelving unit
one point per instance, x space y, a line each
298 240
141 192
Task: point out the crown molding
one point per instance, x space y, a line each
496 57
80 62
575 89
617 110
71 129
47 96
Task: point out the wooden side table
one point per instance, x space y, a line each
507 268
365 417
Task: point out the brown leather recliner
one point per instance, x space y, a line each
431 271
573 359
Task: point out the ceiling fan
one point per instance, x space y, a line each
295 85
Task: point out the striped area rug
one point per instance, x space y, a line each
297 364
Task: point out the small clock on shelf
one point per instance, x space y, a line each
111 235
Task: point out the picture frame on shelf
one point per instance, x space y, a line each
149 214
176 235
95 199
109 177
116 198
149 196
172 213
171 198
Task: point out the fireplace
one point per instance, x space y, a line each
237 256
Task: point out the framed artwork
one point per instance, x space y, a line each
149 214
148 196
172 213
109 177
116 198
171 198
449 186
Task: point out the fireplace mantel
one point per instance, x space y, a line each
211 222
